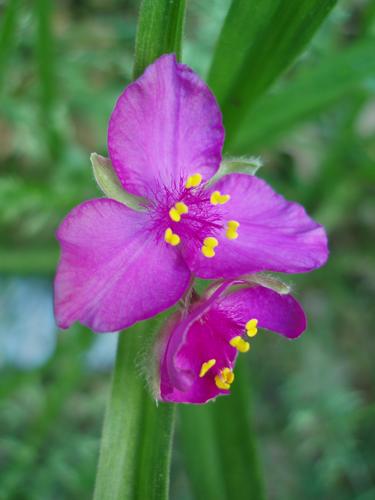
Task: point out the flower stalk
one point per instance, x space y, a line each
137 435
136 441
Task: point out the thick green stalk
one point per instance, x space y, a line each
136 441
159 31
137 435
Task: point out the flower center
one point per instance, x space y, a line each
191 214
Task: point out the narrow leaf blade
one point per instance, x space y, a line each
311 92
259 40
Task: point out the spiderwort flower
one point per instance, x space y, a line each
196 353
165 139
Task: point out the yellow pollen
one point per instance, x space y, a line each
233 224
251 327
174 215
224 379
206 366
209 244
193 181
219 199
181 208
232 227
240 344
208 252
171 237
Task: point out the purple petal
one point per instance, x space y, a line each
274 234
164 127
279 313
113 272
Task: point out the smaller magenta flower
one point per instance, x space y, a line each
197 352
165 138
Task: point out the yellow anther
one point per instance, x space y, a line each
171 237
219 199
251 327
193 181
240 344
224 379
181 208
233 224
174 215
231 235
206 366
209 244
232 227
228 374
208 252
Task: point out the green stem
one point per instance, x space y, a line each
159 31
136 442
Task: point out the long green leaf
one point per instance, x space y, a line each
259 40
47 77
310 93
7 35
219 439
135 452
201 451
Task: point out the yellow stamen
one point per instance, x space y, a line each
224 379
206 366
219 199
209 244
231 235
229 375
251 327
232 227
233 224
171 237
193 181
181 208
208 252
240 344
174 215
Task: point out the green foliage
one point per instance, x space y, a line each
338 75
258 41
7 35
228 453
62 65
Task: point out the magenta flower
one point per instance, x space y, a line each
197 353
165 139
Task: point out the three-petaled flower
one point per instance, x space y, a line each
196 352
165 139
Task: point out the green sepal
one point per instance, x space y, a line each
268 281
247 164
109 183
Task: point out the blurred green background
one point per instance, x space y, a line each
62 66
